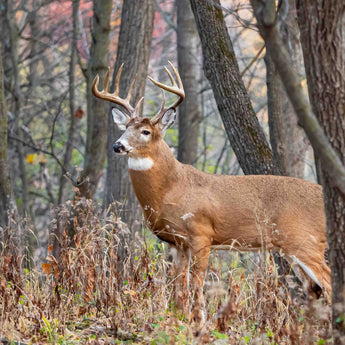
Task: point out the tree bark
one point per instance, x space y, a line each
322 26
220 66
97 110
134 51
190 114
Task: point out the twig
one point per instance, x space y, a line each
253 60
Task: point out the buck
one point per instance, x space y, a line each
194 211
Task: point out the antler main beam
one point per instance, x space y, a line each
114 97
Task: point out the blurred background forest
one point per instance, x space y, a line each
65 185
49 63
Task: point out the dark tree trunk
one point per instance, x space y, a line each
322 26
134 51
241 124
97 110
190 114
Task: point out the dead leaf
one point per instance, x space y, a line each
47 268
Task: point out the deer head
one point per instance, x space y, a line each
141 133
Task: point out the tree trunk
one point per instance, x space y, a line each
288 141
297 144
6 196
241 124
322 26
97 110
275 115
73 119
134 51
190 114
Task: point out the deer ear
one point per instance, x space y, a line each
120 118
167 120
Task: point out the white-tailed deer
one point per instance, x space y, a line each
193 210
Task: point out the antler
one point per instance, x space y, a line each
114 97
176 89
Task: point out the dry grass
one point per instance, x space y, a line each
88 295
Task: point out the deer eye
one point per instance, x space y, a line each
146 132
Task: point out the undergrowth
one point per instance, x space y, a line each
108 286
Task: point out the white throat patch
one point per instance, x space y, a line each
140 163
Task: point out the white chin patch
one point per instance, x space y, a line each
140 163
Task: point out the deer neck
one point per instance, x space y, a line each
153 175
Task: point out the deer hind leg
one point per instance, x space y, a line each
316 269
200 252
181 279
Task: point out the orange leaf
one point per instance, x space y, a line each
47 268
50 249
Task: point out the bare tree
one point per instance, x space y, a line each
190 114
97 112
73 119
289 142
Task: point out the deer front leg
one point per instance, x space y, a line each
181 284
200 252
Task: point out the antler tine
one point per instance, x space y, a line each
106 81
177 89
177 74
170 76
114 97
117 80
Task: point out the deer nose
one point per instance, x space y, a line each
118 147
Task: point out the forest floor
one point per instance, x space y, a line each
87 295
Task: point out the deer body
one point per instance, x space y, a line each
174 196
193 210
